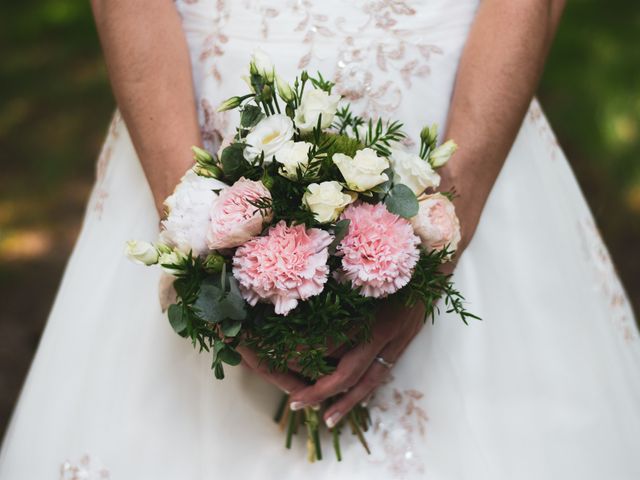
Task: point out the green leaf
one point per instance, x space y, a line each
250 116
233 161
177 319
231 328
402 201
230 356
233 307
384 187
339 232
208 303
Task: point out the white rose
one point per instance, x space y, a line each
441 155
413 171
316 102
293 155
187 222
174 257
364 171
268 136
436 223
261 64
326 200
141 252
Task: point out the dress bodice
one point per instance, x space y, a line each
390 58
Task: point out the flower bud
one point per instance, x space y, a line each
284 90
141 252
201 156
213 263
429 135
209 171
230 104
173 257
267 93
442 154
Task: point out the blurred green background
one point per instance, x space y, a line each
55 103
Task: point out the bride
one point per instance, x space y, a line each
546 387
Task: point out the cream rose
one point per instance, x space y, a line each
326 200
141 252
268 136
413 171
293 155
316 102
364 171
436 223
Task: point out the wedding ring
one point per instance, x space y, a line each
382 361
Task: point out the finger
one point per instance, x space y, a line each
365 387
350 369
287 382
370 381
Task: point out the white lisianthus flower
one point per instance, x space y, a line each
441 155
188 207
413 171
326 200
261 64
143 253
364 171
315 102
268 136
293 155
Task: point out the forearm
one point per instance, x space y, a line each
497 77
150 72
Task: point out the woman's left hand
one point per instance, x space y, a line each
363 368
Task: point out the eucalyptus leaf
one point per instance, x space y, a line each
339 232
233 306
231 328
402 201
250 116
233 161
177 319
230 356
208 303
384 187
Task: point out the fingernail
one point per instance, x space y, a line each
295 406
364 404
315 407
333 420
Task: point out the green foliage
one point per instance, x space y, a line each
402 201
429 284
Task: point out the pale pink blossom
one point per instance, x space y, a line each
436 223
235 218
284 266
379 252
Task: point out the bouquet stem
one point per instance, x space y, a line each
358 420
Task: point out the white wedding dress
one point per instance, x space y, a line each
547 386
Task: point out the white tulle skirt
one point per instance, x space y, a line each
547 386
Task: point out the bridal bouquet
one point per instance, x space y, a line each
287 239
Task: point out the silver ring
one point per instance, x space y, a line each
383 362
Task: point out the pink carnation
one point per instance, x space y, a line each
380 250
286 265
234 216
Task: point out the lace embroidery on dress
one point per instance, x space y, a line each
101 193
598 257
86 468
398 431
214 43
367 53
